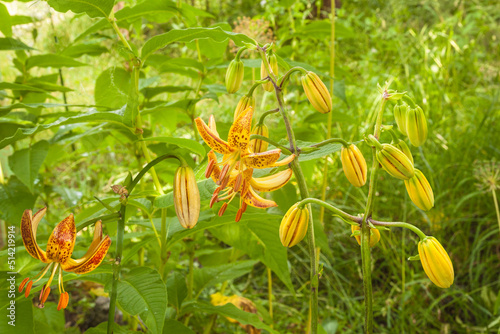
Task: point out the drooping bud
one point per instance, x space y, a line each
293 226
273 63
234 76
374 235
416 126
316 92
436 262
259 145
401 145
395 162
400 114
186 197
354 165
420 191
245 102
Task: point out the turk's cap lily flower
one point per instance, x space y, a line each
58 252
234 174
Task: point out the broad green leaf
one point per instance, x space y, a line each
150 92
24 307
27 162
93 8
34 106
151 10
187 35
323 29
16 86
112 87
79 50
320 152
320 118
92 116
7 43
15 197
189 144
177 290
21 19
52 60
209 276
102 328
5 21
173 326
212 49
48 319
142 292
259 238
230 311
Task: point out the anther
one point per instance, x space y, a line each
222 209
23 283
210 168
46 293
238 215
237 183
28 289
214 199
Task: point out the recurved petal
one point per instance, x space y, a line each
212 139
239 134
29 225
262 160
271 182
212 125
62 240
253 199
94 256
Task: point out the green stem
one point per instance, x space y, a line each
338 212
365 229
496 206
332 140
272 142
410 227
267 113
116 269
304 193
270 294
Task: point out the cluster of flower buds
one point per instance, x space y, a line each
411 122
273 63
245 102
316 92
293 226
186 197
354 165
374 235
436 262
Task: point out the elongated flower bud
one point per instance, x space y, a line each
259 145
234 76
316 92
436 262
401 145
374 235
354 165
186 197
400 114
420 191
273 62
293 226
416 126
395 162
245 102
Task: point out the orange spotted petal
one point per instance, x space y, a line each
285 161
253 199
94 256
62 240
261 160
212 139
239 134
29 225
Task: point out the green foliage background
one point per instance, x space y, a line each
61 152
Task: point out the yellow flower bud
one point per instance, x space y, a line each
234 76
374 235
293 226
273 62
401 145
245 102
186 197
259 145
436 262
416 126
420 191
316 92
400 111
354 165
395 162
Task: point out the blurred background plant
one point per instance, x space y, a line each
445 53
